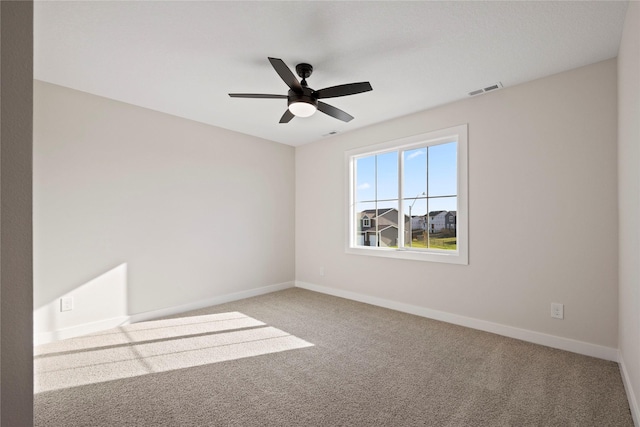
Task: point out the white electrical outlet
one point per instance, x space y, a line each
557 310
66 303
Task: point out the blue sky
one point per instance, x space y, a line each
441 179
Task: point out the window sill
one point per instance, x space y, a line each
444 256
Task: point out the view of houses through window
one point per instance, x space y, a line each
417 184
435 230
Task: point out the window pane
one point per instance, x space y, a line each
442 223
443 170
417 229
415 172
365 179
387 167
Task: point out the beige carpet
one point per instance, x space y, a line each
299 358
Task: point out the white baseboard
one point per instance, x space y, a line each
631 396
76 331
92 327
169 311
561 343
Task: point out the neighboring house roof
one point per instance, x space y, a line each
436 213
379 212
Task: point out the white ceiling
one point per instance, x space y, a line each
183 58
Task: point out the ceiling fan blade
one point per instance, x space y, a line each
344 90
256 95
286 75
334 112
286 117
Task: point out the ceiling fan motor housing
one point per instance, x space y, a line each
306 96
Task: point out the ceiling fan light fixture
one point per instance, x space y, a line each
302 108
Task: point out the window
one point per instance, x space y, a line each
408 198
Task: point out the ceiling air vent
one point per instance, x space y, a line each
333 132
486 89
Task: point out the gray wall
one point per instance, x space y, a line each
16 291
136 210
542 165
629 202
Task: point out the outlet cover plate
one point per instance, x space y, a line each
557 310
66 303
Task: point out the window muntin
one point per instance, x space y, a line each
429 171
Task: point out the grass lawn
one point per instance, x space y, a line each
449 243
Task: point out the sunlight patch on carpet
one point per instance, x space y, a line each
156 346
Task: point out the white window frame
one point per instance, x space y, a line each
461 254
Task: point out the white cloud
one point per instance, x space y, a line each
416 154
364 186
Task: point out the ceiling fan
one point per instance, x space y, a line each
304 101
